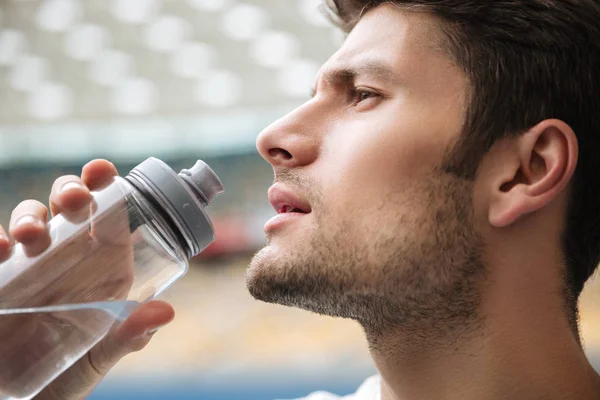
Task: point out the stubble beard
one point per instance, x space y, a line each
418 270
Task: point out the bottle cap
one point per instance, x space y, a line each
181 198
203 180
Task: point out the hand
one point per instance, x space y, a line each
107 242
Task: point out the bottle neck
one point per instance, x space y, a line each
150 212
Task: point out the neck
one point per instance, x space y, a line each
524 348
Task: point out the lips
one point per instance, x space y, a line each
284 201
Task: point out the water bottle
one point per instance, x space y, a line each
132 243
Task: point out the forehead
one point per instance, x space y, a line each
409 43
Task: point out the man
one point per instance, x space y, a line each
439 188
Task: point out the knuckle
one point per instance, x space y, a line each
95 162
29 206
101 161
64 179
100 359
100 164
139 344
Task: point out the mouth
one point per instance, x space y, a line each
286 202
286 209
288 205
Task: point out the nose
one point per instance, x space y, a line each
290 142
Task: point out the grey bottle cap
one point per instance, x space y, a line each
202 179
182 198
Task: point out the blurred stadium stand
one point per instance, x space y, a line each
182 80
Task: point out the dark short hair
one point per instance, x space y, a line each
526 61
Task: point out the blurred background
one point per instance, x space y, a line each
182 80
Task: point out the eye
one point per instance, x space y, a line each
360 95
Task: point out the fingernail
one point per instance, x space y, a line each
27 220
154 330
70 185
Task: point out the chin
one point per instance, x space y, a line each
289 278
261 271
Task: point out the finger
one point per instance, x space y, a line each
98 173
144 320
71 197
133 335
5 245
110 224
28 226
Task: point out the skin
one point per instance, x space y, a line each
456 283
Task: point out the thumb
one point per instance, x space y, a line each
133 335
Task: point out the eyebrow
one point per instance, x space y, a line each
373 69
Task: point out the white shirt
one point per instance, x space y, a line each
369 390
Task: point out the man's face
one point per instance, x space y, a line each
385 236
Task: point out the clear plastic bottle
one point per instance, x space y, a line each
131 244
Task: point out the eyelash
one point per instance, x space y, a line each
356 93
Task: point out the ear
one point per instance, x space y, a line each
538 167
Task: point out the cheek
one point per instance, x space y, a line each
364 163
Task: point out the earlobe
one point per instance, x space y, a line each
539 169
